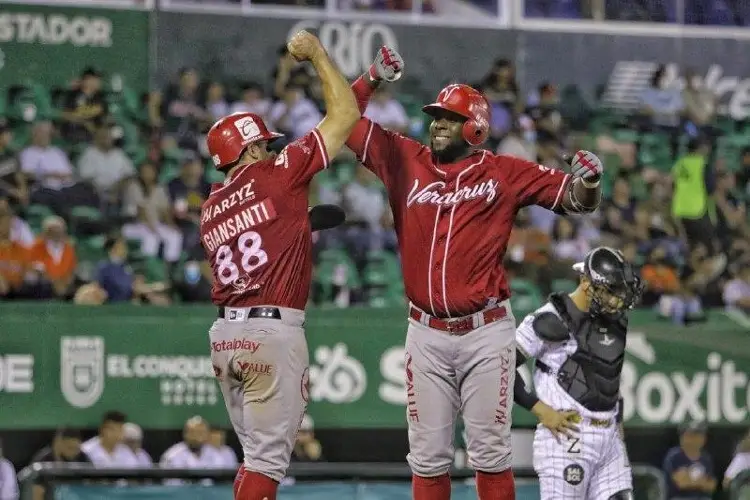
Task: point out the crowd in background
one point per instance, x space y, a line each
100 199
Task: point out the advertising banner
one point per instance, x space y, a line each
51 45
67 365
247 47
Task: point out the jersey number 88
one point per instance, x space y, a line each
253 256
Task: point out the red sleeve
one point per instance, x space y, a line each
373 146
362 93
303 158
535 184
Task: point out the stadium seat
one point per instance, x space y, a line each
153 270
85 217
525 296
35 215
330 263
655 151
625 135
563 285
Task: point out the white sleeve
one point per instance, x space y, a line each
8 482
526 338
739 463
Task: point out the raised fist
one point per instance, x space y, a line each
304 46
586 166
388 65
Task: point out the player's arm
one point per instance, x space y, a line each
551 188
388 66
341 108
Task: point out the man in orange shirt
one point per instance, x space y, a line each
54 256
14 261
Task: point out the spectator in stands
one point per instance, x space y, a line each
8 481
85 107
294 114
731 210
568 245
386 111
253 100
740 462
661 104
115 282
693 182
106 166
502 91
688 468
529 247
193 452
700 105
521 140
548 150
12 180
660 276
54 256
20 231
193 283
148 204
288 71
181 111
65 449
216 104
49 169
107 450
736 293
217 439
543 108
187 194
14 262
619 210
743 175
365 205
133 439
306 447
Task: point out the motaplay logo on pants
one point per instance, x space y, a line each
235 345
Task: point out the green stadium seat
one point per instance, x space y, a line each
35 215
212 175
563 285
43 101
91 248
153 270
525 296
655 151
330 261
625 135
728 149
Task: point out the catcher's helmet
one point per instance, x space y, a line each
616 286
469 103
229 137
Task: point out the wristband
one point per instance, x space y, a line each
372 74
590 185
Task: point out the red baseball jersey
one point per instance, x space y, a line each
453 221
255 229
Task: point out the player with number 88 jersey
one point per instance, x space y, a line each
256 233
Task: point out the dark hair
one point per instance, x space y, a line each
696 143
68 433
114 416
556 228
252 86
659 72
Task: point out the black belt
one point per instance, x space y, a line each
255 312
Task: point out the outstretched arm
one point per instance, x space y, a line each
341 107
388 65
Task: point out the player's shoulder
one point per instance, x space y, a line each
548 324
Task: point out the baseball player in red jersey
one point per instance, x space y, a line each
453 207
256 234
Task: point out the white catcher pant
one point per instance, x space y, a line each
151 240
593 468
262 366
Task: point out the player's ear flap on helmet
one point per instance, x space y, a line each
548 326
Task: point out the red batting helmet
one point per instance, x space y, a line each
469 103
229 137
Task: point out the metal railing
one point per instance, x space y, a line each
649 481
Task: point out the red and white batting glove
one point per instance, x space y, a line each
388 65
586 166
